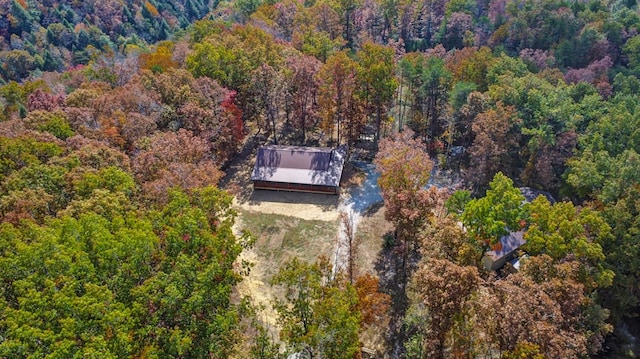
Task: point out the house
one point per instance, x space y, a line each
300 169
509 245
531 193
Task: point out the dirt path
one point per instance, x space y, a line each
353 203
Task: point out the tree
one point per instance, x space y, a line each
525 316
42 100
19 205
622 253
47 177
174 159
304 89
405 169
377 82
53 122
110 178
500 211
495 137
561 230
442 288
435 82
16 95
337 95
17 64
346 10
17 153
229 56
446 239
631 48
372 304
429 81
458 30
160 60
268 93
319 313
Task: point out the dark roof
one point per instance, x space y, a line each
531 193
510 243
320 166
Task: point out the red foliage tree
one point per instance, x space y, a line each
495 138
304 88
42 100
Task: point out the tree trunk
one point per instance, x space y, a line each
378 122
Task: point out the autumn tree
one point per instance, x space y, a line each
303 86
545 308
268 90
174 159
27 204
337 97
442 289
446 239
42 100
377 82
405 169
372 303
159 60
475 103
495 136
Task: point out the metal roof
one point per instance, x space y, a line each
510 243
320 166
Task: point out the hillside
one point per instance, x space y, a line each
118 120
57 35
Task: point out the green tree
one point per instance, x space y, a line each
50 178
230 55
429 82
561 230
319 314
110 178
55 123
632 49
17 64
121 282
501 210
16 153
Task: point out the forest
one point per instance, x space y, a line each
118 120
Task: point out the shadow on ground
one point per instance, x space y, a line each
394 267
326 202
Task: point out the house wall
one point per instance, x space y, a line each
492 263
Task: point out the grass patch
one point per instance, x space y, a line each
280 237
